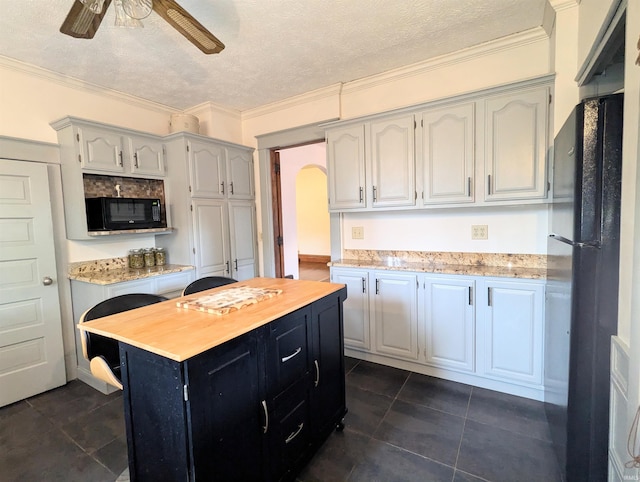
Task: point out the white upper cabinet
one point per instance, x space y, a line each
206 169
447 159
100 149
391 145
516 145
239 174
346 168
211 238
145 155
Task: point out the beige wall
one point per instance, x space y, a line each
311 210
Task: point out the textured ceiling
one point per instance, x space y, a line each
274 48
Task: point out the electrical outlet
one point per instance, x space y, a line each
357 232
479 231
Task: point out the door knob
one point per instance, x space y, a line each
47 281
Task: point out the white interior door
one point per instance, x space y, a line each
31 350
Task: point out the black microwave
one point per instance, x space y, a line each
117 213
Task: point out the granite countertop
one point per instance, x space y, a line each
472 264
116 270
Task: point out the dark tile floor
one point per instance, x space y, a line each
401 426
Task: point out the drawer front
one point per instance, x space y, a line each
288 353
291 435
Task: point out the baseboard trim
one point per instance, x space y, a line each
314 258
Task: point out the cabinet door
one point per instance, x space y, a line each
287 358
240 174
356 307
448 154
225 414
512 330
450 327
516 145
100 150
146 156
211 238
328 389
391 147
395 314
242 228
346 168
206 169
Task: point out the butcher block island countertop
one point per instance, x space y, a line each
181 333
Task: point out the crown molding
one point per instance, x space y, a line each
530 36
66 81
210 106
318 94
559 5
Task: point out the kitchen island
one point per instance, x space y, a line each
248 395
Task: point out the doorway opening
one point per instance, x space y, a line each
302 244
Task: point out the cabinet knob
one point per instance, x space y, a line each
47 281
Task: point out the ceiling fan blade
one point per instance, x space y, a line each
188 26
81 22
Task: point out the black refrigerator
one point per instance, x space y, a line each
581 301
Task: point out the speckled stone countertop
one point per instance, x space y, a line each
526 266
116 270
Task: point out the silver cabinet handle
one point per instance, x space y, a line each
360 194
120 155
265 427
294 434
231 187
468 187
222 184
364 285
235 262
47 281
489 184
375 194
315 384
135 157
227 263
287 358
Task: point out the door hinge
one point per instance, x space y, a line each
279 241
548 186
276 167
77 136
187 147
550 98
415 125
185 392
189 188
194 250
79 158
191 207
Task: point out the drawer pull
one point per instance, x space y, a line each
265 427
287 358
315 384
294 434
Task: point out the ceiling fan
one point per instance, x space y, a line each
85 17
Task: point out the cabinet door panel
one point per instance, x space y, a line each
393 162
356 307
243 239
225 414
207 170
211 238
448 154
513 331
395 312
346 168
328 388
101 150
450 326
240 174
516 145
146 156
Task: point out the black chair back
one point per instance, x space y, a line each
207 283
98 345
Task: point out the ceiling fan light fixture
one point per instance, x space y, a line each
138 9
124 20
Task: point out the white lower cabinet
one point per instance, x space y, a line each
355 308
395 314
449 317
486 332
510 347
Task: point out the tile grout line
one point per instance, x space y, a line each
464 424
